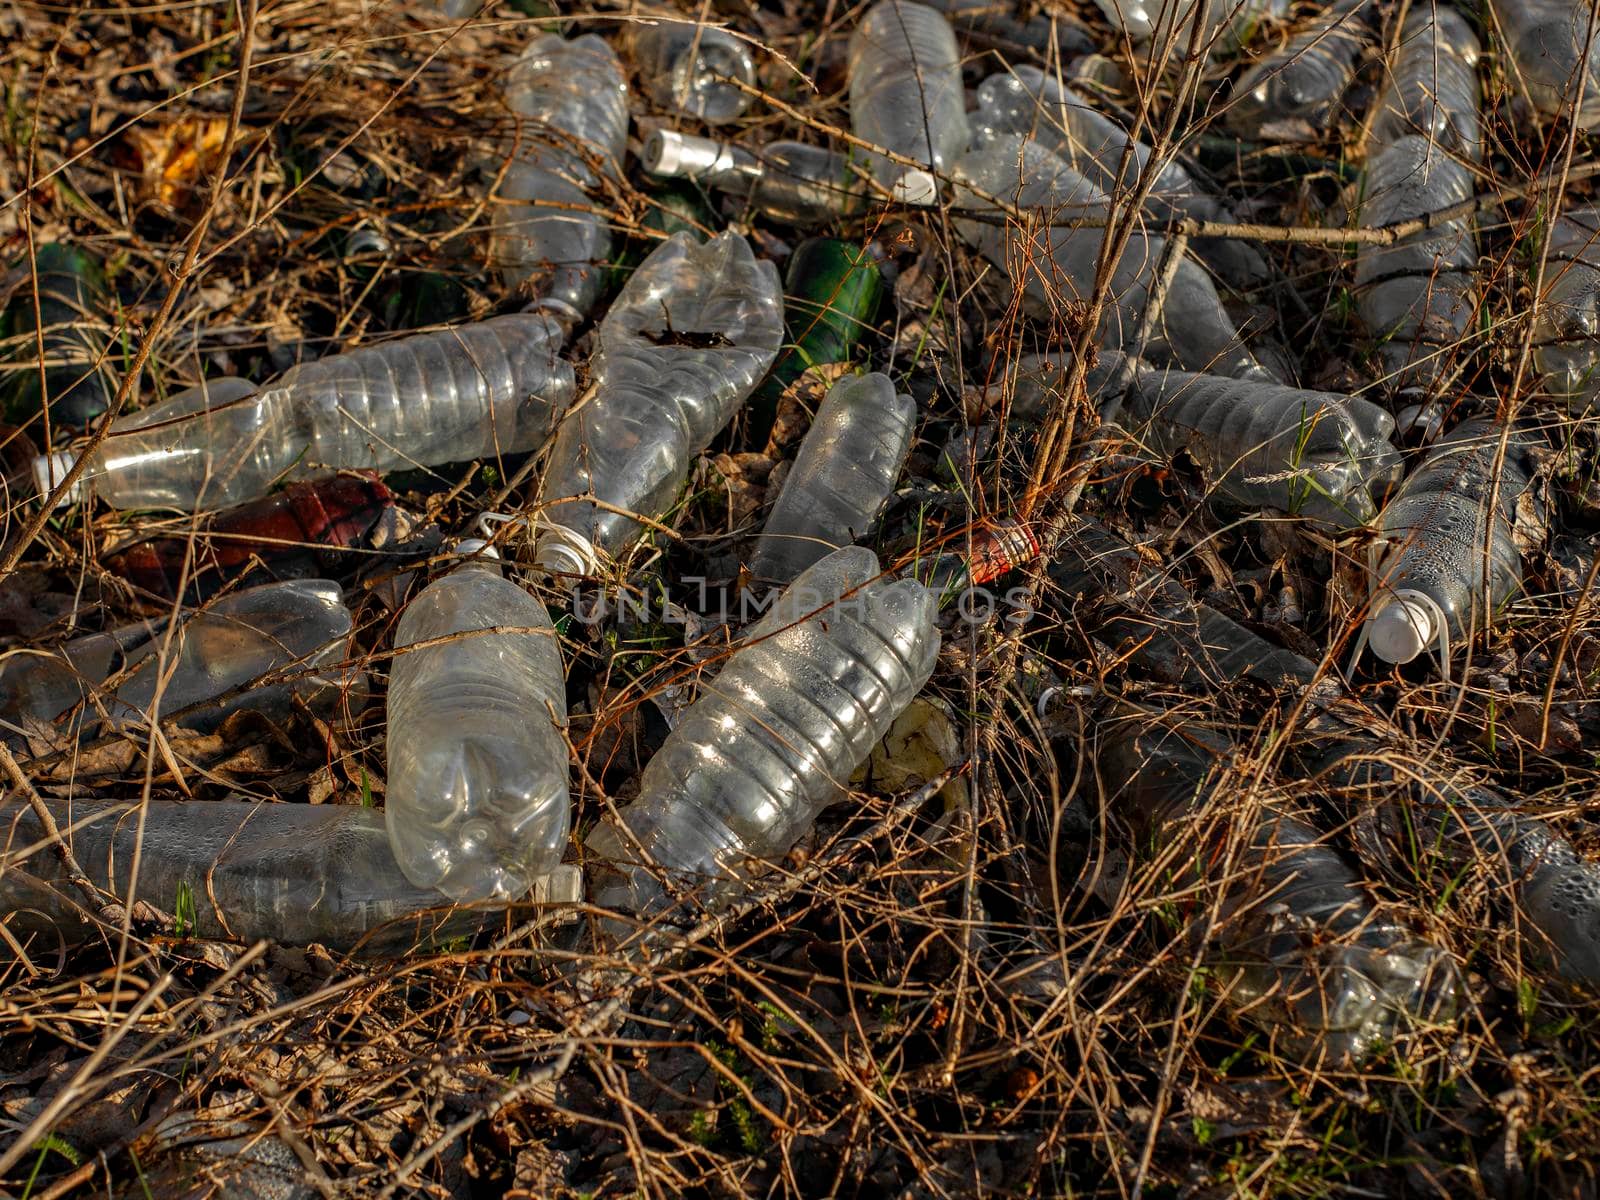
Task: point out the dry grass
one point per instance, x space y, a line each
946 992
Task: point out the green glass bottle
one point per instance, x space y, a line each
80 379
830 296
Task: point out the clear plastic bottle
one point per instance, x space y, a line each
294 874
844 471
773 739
476 391
1545 48
1058 265
790 181
1566 347
38 685
477 803
1297 942
292 628
1416 296
998 24
687 68
679 350
1431 586
1227 22
551 238
906 95
70 330
1303 80
1432 88
1026 100
1313 454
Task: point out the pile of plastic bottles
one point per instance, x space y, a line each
616 399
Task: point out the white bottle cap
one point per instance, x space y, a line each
667 152
1403 628
916 187
48 469
560 551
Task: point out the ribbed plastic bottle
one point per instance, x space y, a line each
831 292
844 471
476 391
1416 296
789 181
1430 587
551 238
1304 79
1263 445
299 629
688 67
1566 346
293 874
478 803
678 352
1027 101
80 377
1432 86
1057 265
1544 42
774 738
906 95
1292 935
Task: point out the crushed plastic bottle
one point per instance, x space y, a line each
1432 88
294 874
551 239
1302 82
790 181
1057 264
300 629
1544 45
77 347
831 293
1297 944
774 738
1027 101
475 391
677 353
687 67
306 529
478 803
1566 346
1416 296
1431 585
906 96
1313 454
844 471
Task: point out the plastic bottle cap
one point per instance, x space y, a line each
560 551
48 468
917 187
1403 628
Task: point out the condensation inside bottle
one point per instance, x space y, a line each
477 802
1566 346
1432 88
1305 79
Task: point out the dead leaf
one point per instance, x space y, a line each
173 158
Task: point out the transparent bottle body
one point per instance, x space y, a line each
1437 526
1225 23
477 802
478 390
295 874
1296 941
299 628
1545 42
906 94
687 68
1432 86
1027 101
551 238
1566 346
1056 264
1417 294
1313 454
680 349
1304 79
38 685
844 471
776 735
